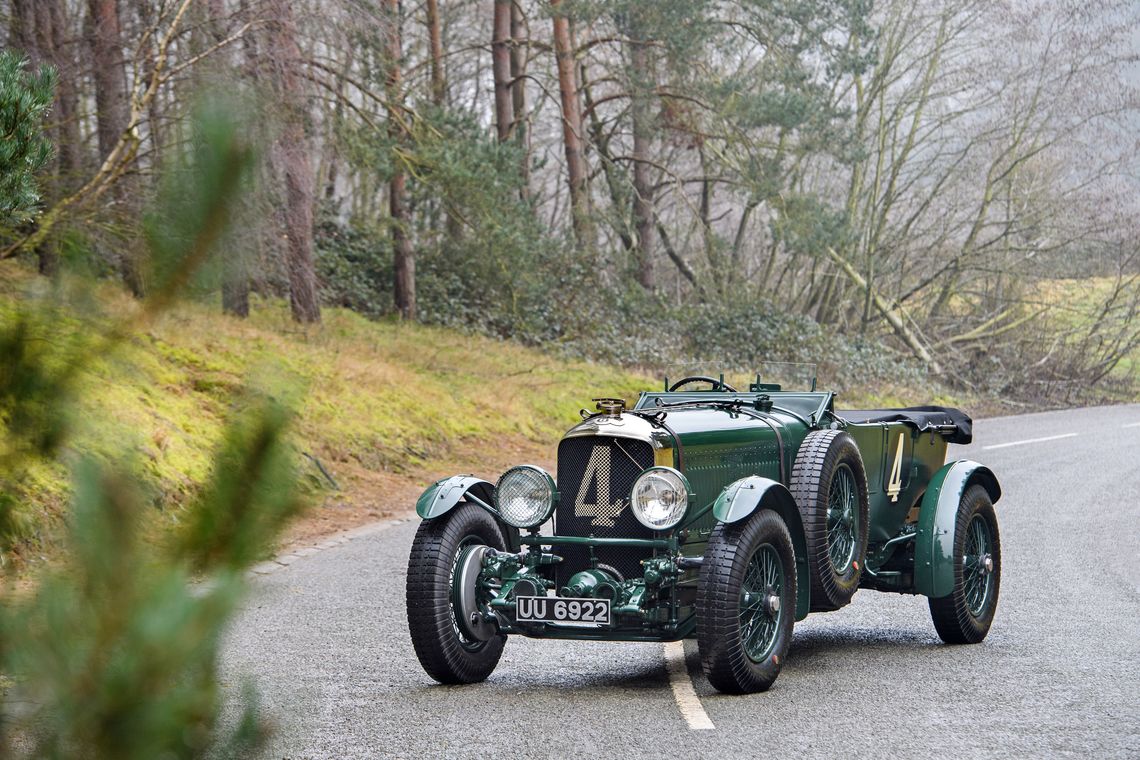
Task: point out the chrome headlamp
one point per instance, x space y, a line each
525 496
660 498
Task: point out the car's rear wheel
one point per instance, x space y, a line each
746 603
452 641
964 616
830 487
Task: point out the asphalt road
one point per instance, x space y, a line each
325 642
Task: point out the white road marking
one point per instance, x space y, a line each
1133 424
683 692
1030 440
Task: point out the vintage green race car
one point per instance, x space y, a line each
712 513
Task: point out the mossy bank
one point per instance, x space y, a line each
381 407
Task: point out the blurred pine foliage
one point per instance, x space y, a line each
113 653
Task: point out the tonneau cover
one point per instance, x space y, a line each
920 417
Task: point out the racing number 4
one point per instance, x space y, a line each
597 474
895 484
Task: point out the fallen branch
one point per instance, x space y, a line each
894 314
983 332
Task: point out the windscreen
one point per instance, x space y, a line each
790 376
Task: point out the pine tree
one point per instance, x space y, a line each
25 98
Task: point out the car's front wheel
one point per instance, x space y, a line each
746 603
964 616
445 599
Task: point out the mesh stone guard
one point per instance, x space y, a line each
595 478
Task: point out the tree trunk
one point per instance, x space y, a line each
404 261
518 92
69 144
332 153
712 255
148 17
435 40
643 84
113 107
501 68
617 180
235 261
39 30
108 72
572 127
293 152
682 265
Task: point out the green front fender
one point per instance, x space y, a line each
444 494
937 519
740 499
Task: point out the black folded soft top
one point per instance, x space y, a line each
922 417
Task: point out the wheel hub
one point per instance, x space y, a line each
767 600
464 595
760 607
842 520
772 604
986 566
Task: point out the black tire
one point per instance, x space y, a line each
964 616
733 661
442 649
826 460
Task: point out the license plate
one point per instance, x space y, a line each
551 609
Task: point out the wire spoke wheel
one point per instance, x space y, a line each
760 609
746 603
965 614
977 564
842 519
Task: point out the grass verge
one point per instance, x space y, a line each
383 407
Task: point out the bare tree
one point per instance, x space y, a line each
435 43
292 151
520 36
235 258
643 86
501 68
916 174
572 135
404 262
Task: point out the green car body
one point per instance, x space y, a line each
740 455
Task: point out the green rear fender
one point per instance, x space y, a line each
937 518
744 497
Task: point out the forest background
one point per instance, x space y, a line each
899 191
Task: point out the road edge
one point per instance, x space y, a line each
290 554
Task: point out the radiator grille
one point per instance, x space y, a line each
595 476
